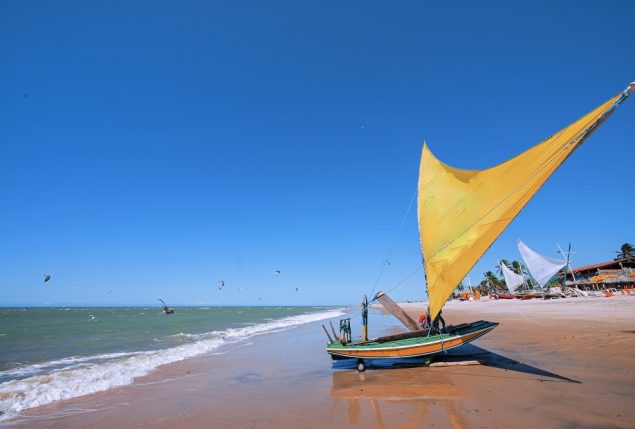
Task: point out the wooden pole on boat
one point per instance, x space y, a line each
327 334
397 311
364 319
567 268
333 330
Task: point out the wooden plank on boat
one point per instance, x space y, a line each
457 363
397 311
327 334
460 329
397 337
333 329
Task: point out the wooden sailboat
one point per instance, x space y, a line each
460 214
541 268
512 280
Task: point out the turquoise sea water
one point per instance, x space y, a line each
50 354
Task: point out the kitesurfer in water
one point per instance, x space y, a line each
166 309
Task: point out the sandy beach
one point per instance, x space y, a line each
557 364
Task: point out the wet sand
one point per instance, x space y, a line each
553 364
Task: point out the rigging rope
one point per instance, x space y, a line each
387 259
402 281
399 283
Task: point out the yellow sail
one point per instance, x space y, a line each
462 212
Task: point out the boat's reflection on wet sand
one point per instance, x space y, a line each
408 400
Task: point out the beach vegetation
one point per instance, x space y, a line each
491 283
499 270
519 268
627 250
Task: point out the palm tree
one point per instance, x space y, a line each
518 267
499 270
626 251
491 279
482 287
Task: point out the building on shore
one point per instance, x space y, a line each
617 274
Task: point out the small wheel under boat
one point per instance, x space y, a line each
361 366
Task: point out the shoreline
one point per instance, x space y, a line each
560 363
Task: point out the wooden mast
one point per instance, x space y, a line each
364 319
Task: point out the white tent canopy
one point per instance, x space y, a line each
512 279
540 267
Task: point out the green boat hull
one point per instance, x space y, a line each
414 344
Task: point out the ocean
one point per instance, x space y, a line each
52 354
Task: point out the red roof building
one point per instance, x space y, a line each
617 273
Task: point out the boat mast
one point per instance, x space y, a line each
469 283
567 267
364 319
625 94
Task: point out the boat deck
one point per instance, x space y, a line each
411 344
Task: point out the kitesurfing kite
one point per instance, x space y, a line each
47 277
221 284
277 272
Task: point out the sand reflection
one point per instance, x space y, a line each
404 398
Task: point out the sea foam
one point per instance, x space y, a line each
72 377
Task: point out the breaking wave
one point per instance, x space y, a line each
39 384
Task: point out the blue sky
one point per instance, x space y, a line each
151 149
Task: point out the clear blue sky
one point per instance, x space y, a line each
150 149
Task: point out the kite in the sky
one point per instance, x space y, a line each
47 277
221 284
277 272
